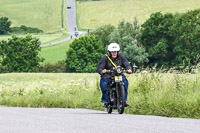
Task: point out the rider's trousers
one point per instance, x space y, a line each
104 88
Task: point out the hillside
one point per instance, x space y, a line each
96 13
55 53
43 14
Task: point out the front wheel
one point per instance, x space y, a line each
121 100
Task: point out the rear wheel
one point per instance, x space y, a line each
121 100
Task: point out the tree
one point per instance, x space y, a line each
84 54
172 40
20 54
4 25
156 38
126 35
103 32
186 33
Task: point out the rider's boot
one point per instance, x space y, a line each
126 104
105 105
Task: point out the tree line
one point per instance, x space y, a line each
5 28
172 40
165 40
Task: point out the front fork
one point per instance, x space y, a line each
115 92
118 89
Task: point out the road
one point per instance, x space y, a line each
71 16
61 120
71 23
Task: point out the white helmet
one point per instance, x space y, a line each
113 47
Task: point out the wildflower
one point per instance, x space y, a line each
152 89
144 71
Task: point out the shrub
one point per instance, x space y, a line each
24 29
59 67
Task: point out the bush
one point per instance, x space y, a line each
24 29
84 54
59 67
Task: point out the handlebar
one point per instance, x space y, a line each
122 71
117 69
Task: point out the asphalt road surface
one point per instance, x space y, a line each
71 15
71 23
61 120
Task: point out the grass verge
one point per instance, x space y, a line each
171 95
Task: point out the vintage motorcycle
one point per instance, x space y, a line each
116 90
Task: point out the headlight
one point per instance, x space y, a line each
118 70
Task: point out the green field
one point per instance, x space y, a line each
43 14
55 53
44 38
49 38
92 14
172 95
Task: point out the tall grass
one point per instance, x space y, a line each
93 14
172 95
163 94
49 90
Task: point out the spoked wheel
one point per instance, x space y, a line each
121 100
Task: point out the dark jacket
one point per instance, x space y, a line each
106 64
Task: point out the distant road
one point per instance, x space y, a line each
71 15
71 23
61 120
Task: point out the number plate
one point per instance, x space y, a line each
118 78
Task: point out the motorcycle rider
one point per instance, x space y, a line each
105 64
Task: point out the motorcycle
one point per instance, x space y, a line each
116 90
